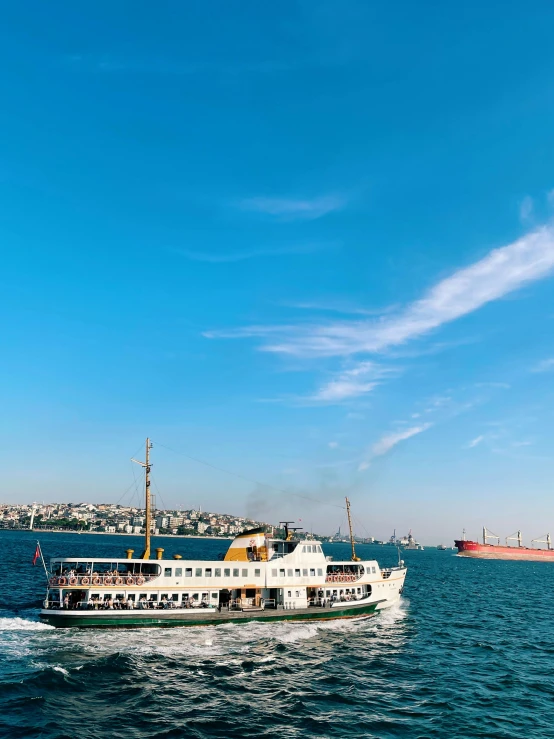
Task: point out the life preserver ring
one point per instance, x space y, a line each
140 580
96 581
73 581
53 581
85 581
129 581
108 580
119 581
61 581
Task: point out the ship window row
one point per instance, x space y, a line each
312 549
211 572
297 572
154 597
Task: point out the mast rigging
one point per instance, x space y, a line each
148 518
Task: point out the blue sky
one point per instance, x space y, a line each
312 244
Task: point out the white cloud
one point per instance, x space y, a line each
239 256
526 209
521 443
502 271
294 209
547 365
503 385
333 444
388 441
355 416
474 442
416 415
352 383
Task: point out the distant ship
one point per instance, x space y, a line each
410 543
441 548
467 548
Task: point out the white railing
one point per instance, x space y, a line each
97 580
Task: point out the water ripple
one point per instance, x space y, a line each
468 653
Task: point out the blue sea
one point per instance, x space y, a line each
468 653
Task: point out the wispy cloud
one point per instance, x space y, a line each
113 64
388 441
547 365
339 307
352 383
526 209
501 385
502 271
294 208
239 256
475 442
333 444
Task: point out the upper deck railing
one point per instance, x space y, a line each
96 579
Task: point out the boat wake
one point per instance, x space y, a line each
23 624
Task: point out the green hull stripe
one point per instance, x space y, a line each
124 622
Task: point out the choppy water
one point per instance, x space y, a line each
469 653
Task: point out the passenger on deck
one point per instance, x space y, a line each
66 601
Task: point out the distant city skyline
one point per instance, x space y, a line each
310 245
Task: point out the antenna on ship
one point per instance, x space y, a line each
354 558
146 465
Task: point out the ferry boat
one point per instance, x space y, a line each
260 578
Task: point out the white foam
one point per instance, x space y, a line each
61 669
23 624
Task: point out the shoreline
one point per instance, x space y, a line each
120 533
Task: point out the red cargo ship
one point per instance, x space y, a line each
497 551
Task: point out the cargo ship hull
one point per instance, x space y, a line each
493 551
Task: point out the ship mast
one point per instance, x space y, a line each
354 557
148 518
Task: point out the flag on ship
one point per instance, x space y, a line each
37 554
